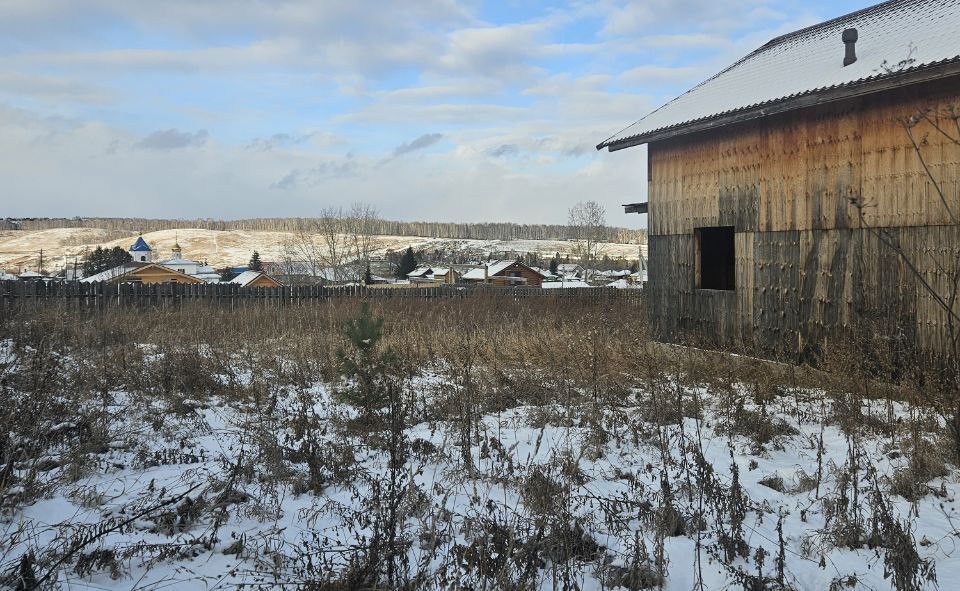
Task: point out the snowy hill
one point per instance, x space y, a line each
234 247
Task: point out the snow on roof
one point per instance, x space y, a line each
440 270
114 272
419 272
30 275
492 269
178 261
140 245
894 37
564 284
246 277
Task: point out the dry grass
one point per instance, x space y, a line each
589 367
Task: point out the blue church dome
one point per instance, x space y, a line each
140 245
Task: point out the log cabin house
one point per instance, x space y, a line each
504 273
811 188
432 275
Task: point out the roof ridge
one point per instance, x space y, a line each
829 23
918 17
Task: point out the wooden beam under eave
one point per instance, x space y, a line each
635 207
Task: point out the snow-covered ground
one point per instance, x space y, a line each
667 484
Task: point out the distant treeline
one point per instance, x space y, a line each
478 231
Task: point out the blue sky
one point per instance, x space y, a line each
433 110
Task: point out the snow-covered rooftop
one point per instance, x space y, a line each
565 284
178 261
492 269
246 278
114 272
894 38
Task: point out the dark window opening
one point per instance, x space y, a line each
716 268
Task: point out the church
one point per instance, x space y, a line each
142 269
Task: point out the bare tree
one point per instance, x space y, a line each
361 226
303 256
588 226
320 247
333 230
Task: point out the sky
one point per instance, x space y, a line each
436 110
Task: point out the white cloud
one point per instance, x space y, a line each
51 88
424 141
172 139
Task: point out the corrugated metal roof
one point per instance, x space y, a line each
895 38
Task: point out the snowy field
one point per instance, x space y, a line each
467 475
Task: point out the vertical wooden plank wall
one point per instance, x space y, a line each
806 266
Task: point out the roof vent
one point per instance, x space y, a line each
850 40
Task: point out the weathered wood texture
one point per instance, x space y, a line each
805 268
798 171
797 288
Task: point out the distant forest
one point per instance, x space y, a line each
478 231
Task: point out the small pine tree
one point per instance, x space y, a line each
226 274
634 266
367 276
408 262
255 263
368 371
554 263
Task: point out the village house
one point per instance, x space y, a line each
789 196
420 274
504 273
425 274
445 275
146 273
255 279
570 270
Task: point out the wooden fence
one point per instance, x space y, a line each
15 294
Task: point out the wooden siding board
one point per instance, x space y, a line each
805 267
745 273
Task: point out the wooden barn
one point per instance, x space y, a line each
812 188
